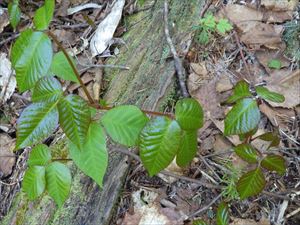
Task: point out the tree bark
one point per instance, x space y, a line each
146 84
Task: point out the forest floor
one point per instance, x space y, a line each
262 48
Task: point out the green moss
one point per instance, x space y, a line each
291 38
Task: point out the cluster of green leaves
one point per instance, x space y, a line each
160 139
243 120
209 25
43 174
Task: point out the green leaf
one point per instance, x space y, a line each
58 179
203 37
43 15
39 156
271 137
208 21
92 158
242 118
159 143
269 95
251 183
31 58
47 89
223 26
274 163
124 124
34 181
36 122
74 118
222 214
14 13
187 149
241 90
246 152
248 134
274 64
189 114
199 222
61 67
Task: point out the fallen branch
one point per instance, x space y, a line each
180 71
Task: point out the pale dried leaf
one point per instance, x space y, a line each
78 8
105 31
4 19
7 78
7 157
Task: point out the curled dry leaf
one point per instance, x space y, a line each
105 31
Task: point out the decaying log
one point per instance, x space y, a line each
146 84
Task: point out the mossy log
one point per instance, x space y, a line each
146 84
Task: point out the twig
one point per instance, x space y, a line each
242 55
205 207
103 66
13 37
178 63
137 158
205 8
54 38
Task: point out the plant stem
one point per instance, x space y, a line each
91 101
54 38
98 106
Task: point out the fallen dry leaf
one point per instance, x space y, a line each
106 29
224 84
282 5
238 221
147 210
4 20
264 56
7 78
7 157
286 83
263 34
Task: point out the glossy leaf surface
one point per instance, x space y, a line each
246 152
159 143
36 122
188 148
271 137
61 67
43 15
251 183
189 114
34 181
92 158
269 95
241 90
31 58
58 179
242 118
222 214
74 118
39 156
274 163
47 89
124 124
